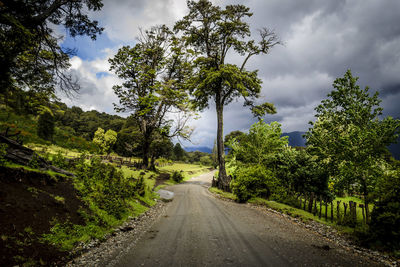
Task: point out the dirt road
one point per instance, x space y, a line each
198 229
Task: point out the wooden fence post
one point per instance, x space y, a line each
320 207
331 211
315 207
326 210
338 210
345 209
362 210
310 203
355 212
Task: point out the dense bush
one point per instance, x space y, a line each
45 128
59 160
253 181
103 185
384 228
3 153
177 176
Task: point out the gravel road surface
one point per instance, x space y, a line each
198 229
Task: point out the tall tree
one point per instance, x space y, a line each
214 32
154 71
30 55
349 137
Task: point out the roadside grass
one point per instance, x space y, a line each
291 211
222 193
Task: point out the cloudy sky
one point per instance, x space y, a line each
322 39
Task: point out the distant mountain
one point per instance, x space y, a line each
198 148
296 138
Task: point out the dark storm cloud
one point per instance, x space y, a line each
322 39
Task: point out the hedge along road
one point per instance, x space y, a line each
198 229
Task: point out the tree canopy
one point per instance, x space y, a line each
154 72
212 33
349 137
30 56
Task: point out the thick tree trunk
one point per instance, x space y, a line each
223 179
146 153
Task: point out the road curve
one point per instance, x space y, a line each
198 229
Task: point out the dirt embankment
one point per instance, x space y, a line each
29 203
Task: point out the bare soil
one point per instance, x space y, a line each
27 208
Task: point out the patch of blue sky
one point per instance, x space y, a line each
102 74
86 48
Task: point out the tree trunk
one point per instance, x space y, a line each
146 153
223 179
152 164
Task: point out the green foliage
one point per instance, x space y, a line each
349 138
177 176
236 136
27 126
3 153
45 127
153 74
178 152
105 141
261 144
30 54
34 161
253 181
213 33
206 160
128 142
59 160
384 228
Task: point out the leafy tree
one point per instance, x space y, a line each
261 144
234 135
213 33
160 147
128 142
30 56
349 137
206 160
153 72
45 127
106 140
178 151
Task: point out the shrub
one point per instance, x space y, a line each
177 176
45 127
384 228
253 181
104 185
59 160
3 153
